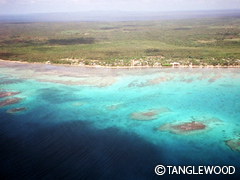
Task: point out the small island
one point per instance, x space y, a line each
183 128
190 126
198 125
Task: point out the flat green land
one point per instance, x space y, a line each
197 41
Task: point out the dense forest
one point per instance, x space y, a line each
205 41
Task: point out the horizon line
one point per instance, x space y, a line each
147 11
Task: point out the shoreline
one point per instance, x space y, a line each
120 67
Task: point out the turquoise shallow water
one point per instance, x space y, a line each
81 118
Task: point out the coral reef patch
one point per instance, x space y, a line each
188 127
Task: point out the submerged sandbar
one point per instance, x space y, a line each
150 114
15 110
114 107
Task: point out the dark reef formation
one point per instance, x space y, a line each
6 94
234 144
11 101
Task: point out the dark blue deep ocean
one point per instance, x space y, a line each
75 150
56 138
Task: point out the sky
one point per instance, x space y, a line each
50 6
